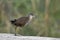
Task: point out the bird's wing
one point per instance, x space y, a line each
22 20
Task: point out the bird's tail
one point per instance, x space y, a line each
13 21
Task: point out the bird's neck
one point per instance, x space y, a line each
30 18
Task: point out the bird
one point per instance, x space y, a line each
22 21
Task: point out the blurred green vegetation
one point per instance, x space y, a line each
47 22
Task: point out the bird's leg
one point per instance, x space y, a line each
15 30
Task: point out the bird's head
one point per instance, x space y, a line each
31 16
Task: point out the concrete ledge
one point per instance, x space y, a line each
4 36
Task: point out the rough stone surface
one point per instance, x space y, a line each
4 36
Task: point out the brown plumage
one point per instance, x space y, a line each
22 21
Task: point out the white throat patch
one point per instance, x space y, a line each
30 18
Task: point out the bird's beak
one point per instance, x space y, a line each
34 16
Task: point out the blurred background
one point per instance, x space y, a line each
47 22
